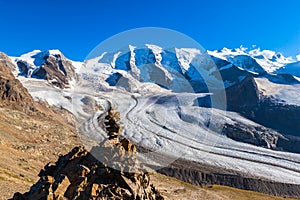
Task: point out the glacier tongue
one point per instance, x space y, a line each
170 124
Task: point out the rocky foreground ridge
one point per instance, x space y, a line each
79 175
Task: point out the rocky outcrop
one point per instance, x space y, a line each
79 175
83 175
262 136
57 70
12 93
259 135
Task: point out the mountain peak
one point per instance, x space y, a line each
269 60
54 52
50 65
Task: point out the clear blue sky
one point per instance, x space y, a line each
77 26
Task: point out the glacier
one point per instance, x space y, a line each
162 97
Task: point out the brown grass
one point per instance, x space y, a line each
27 144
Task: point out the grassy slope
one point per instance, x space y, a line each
27 144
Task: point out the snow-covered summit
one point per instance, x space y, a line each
171 67
269 60
174 68
34 59
50 65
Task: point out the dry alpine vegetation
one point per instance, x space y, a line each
33 134
27 143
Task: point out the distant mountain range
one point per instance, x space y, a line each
179 70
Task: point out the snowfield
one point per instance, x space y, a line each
185 131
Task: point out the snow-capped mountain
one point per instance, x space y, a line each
48 65
255 60
166 99
185 69
151 69
179 70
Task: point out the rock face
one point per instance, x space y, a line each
259 136
57 70
12 92
79 175
243 96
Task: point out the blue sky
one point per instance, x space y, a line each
76 27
